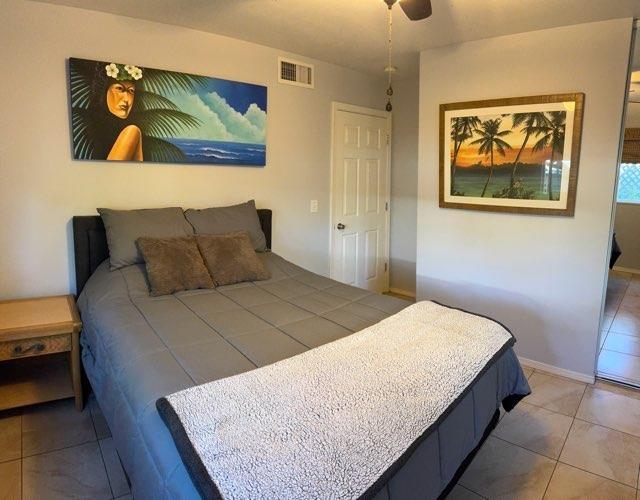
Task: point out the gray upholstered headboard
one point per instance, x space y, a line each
90 243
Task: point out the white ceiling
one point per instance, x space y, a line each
352 33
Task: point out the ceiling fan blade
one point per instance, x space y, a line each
416 10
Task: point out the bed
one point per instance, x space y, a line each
137 349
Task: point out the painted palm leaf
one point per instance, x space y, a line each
148 100
82 143
165 122
159 150
80 78
170 82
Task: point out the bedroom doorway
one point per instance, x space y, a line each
360 173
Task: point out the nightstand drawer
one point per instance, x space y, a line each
34 346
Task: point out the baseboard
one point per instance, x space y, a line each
554 370
400 291
626 270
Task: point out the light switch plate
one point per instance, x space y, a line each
313 206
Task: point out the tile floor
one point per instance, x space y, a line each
619 357
566 440
51 451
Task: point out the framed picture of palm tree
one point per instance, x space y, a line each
511 155
132 113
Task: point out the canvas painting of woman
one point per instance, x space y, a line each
123 112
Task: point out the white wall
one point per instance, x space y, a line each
404 185
542 276
41 188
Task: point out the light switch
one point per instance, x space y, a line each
313 206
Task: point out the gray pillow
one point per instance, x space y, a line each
224 220
230 258
175 264
124 227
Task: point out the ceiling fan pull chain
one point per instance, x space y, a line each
414 10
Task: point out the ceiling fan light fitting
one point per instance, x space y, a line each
416 10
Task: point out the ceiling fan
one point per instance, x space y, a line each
415 10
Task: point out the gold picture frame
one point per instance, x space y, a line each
518 155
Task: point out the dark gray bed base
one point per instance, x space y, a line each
467 461
90 243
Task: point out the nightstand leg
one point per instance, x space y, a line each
75 370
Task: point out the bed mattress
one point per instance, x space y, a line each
138 348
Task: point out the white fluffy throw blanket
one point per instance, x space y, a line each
329 422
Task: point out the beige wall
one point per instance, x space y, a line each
541 276
404 185
41 188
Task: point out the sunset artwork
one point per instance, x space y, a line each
511 155
125 112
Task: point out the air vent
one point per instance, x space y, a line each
295 73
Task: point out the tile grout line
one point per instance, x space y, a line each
471 491
638 476
575 417
525 448
545 408
608 428
10 460
561 377
557 461
564 443
621 352
104 463
62 448
620 385
610 330
597 475
626 383
580 468
76 445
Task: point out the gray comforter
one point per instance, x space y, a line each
139 348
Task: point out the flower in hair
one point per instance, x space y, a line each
112 70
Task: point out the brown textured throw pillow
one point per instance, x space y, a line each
231 258
173 264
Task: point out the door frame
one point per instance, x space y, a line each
336 107
635 39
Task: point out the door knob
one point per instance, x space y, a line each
340 226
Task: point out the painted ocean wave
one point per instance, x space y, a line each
222 153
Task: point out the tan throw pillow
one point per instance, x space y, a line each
231 258
173 264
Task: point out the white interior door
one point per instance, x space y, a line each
360 198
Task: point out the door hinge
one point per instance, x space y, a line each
386 266
388 139
386 206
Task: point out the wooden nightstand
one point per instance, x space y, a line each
39 351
